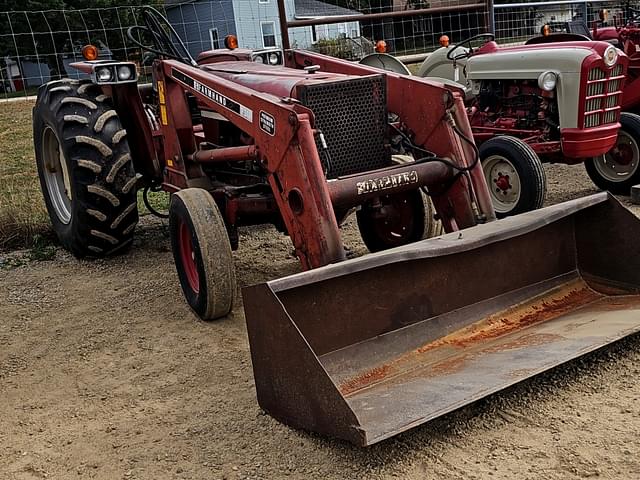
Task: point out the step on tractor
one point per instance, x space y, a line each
531 104
359 349
618 170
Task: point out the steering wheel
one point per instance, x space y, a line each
634 14
488 36
161 31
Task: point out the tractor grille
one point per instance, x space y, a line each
603 96
352 115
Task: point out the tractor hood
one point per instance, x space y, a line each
275 80
528 62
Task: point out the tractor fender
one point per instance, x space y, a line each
438 65
386 62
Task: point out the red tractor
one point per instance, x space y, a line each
619 170
241 137
531 104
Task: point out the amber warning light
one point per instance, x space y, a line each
231 42
444 41
90 52
381 46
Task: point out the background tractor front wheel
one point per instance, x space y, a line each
202 253
85 168
618 170
515 176
392 220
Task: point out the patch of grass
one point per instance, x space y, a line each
159 201
24 93
23 217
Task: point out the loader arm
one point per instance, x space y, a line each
295 171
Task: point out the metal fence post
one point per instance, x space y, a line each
491 14
284 27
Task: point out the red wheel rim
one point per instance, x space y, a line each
188 256
394 224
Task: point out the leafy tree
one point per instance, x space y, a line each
40 28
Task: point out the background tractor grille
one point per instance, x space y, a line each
604 96
352 115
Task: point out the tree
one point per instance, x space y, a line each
49 29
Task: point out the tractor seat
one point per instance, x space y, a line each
579 27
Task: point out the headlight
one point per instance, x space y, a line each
104 74
547 81
274 59
125 72
258 59
610 56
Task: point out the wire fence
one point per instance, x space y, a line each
514 23
39 46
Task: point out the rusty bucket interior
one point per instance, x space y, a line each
370 347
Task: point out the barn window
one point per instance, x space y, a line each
213 35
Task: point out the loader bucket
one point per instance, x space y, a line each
368 348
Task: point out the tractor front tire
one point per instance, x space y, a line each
515 175
85 168
619 169
202 253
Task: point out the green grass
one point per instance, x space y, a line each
23 217
24 222
24 93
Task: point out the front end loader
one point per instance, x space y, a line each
359 349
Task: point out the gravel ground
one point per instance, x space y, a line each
105 373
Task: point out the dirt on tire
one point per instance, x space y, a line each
106 373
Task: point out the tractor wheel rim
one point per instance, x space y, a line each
503 182
621 162
188 256
395 222
56 176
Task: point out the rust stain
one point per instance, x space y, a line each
553 305
448 366
524 341
540 309
364 380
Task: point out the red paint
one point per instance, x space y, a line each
585 143
285 156
187 256
503 182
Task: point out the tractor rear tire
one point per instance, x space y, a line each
398 219
202 253
85 168
619 169
515 175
